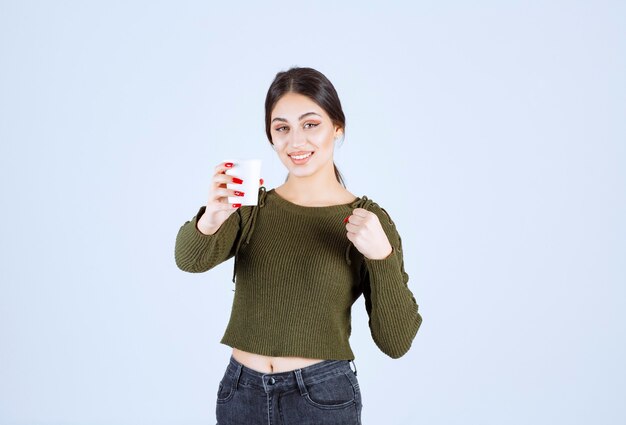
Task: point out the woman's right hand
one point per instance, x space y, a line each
218 209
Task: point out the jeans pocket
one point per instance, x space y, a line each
334 392
225 389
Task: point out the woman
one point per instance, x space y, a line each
303 256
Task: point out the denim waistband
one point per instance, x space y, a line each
284 381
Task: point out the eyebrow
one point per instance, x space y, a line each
301 116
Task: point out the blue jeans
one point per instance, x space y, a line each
325 393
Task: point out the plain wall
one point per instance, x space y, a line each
492 132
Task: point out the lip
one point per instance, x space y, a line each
301 161
299 153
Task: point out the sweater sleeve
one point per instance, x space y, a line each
393 312
196 252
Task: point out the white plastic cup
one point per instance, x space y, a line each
248 170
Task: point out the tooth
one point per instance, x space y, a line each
306 155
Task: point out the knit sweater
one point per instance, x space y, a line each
297 276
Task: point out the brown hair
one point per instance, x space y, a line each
313 84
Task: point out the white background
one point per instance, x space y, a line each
494 133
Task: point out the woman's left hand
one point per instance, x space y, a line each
367 234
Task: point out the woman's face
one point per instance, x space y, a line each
303 135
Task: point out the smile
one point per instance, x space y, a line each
303 156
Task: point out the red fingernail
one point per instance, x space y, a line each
228 164
345 220
237 193
236 205
261 182
236 180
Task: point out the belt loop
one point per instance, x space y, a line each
301 385
354 367
238 375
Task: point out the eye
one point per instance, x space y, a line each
280 128
311 124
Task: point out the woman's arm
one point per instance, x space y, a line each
196 252
393 312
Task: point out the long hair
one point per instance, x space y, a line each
313 84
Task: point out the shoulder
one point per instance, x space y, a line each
371 205
384 217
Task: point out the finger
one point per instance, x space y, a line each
219 193
355 220
361 212
222 179
223 204
352 228
222 167
219 181
230 192
230 207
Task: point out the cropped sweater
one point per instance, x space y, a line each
297 276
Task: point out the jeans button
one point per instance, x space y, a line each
272 381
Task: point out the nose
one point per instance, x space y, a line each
297 139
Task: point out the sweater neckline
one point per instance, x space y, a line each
311 210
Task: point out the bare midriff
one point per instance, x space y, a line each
268 364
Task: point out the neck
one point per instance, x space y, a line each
309 189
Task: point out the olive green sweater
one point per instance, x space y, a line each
297 275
